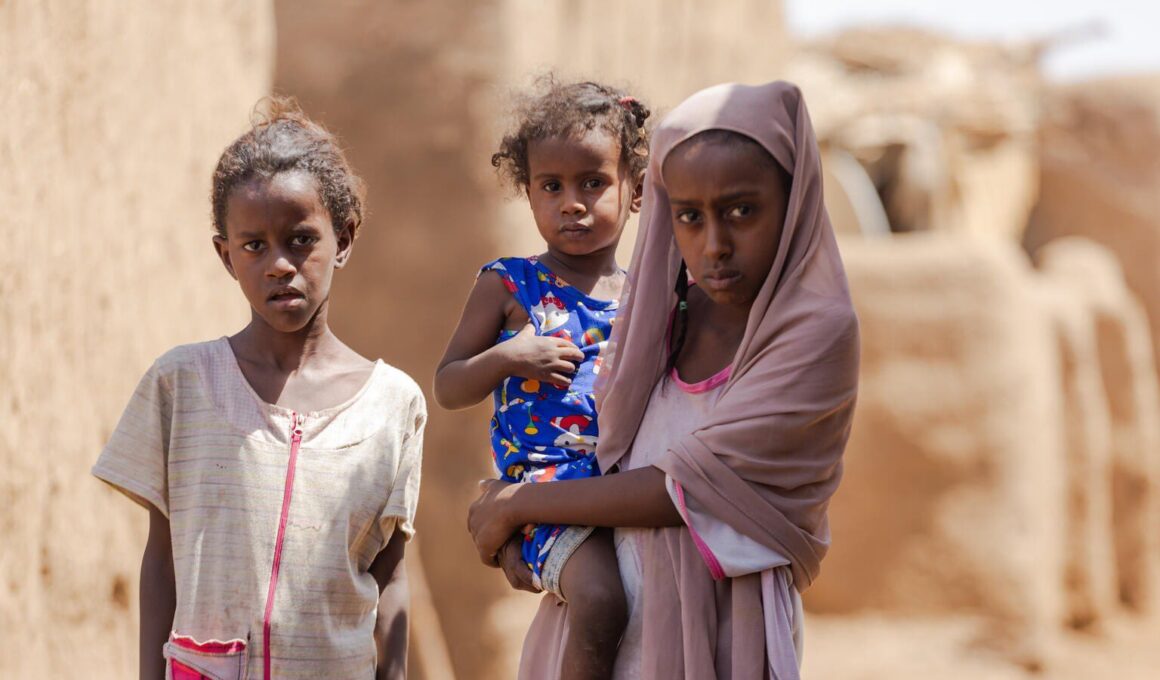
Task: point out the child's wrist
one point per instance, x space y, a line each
505 359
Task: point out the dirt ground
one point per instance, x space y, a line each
875 647
881 646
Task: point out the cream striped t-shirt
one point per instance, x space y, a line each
243 481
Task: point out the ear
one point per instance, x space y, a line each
637 195
221 245
345 244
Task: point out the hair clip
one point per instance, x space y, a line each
684 306
627 101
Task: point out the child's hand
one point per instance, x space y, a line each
511 561
542 358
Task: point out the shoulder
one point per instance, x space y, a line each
515 271
833 316
402 394
507 264
194 358
499 281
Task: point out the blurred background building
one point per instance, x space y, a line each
996 200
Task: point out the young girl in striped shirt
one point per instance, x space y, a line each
280 468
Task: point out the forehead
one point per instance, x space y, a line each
587 149
296 186
703 162
283 197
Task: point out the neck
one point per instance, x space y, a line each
595 264
285 351
725 317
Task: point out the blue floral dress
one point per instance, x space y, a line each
540 432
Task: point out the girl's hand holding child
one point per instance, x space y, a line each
489 526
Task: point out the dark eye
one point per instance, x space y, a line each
688 216
303 241
594 183
740 211
552 186
252 246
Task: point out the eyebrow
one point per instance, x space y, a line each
297 229
595 170
736 195
726 198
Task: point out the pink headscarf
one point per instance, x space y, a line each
768 458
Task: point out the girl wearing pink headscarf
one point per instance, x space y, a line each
729 394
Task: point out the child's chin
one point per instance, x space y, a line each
729 298
287 323
581 248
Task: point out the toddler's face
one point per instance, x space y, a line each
282 248
728 203
580 192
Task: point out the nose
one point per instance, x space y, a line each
281 265
572 204
718 241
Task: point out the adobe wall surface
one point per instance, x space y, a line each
114 114
952 500
1099 169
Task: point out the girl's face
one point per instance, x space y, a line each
580 192
282 248
728 202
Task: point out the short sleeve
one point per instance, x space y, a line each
135 459
518 277
502 267
399 511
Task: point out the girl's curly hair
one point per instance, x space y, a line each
556 109
283 139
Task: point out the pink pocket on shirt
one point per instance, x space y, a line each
188 659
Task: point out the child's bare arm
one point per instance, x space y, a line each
473 365
158 597
393 622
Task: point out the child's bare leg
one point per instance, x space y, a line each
597 609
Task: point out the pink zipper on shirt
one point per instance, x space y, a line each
295 441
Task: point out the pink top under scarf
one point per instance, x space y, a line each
725 551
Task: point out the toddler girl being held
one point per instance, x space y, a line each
532 333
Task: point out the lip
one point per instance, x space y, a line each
286 297
575 229
721 279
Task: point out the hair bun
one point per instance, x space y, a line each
633 106
639 112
